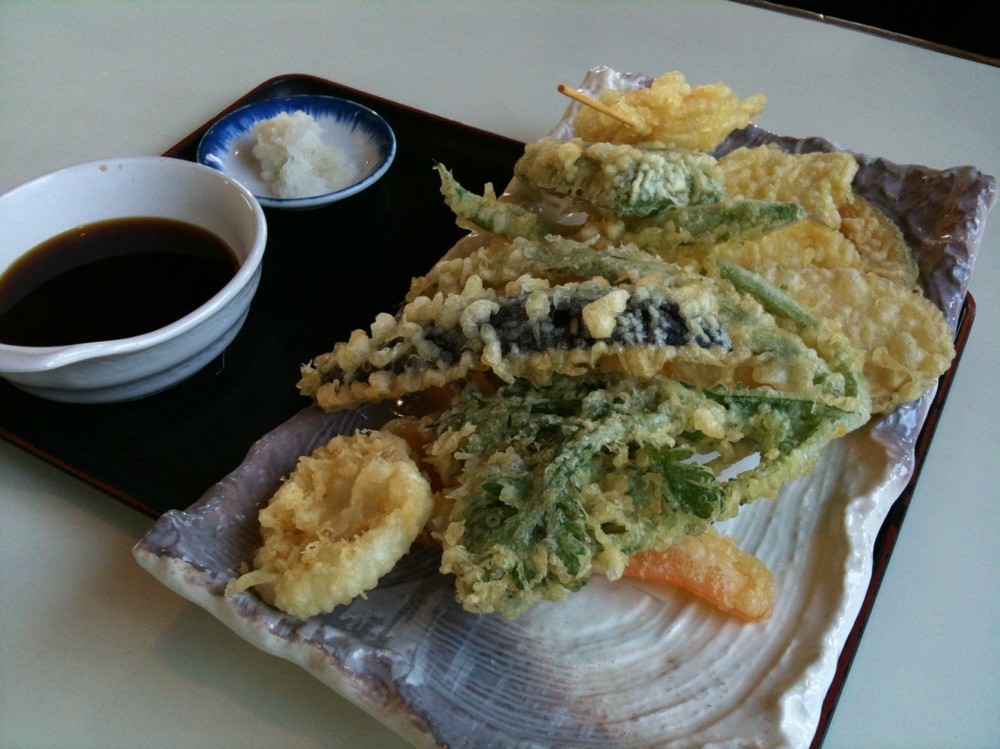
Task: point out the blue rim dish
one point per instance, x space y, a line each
359 131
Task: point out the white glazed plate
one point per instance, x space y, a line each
363 136
615 665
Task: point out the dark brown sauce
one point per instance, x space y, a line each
111 279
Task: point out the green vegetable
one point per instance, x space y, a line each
560 482
487 213
711 223
629 180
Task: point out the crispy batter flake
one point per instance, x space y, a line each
677 114
819 181
905 339
880 243
341 521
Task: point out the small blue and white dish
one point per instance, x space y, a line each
363 136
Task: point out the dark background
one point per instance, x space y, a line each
959 24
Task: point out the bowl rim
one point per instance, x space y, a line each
16 359
290 101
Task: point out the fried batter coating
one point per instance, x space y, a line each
820 182
699 325
906 341
879 242
555 258
629 180
712 566
803 244
674 114
338 523
486 213
530 329
727 220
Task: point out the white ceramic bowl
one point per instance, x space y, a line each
360 133
148 186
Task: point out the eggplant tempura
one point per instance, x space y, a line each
605 389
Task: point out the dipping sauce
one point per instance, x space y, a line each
111 279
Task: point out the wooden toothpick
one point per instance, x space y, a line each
572 93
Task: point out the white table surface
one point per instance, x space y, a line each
94 652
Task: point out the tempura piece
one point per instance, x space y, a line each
820 182
906 341
727 220
880 243
558 259
338 523
556 483
803 244
487 213
533 329
713 567
660 232
673 113
629 180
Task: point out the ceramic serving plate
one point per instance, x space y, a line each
616 665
